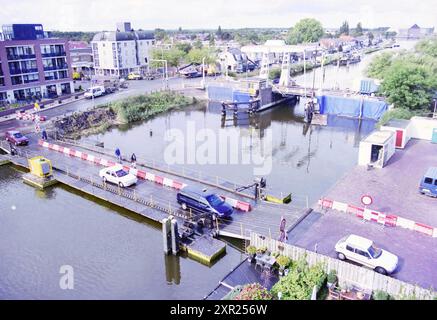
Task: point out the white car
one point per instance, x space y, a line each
364 252
94 92
116 174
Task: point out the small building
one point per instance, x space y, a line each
415 32
401 128
81 57
377 149
422 128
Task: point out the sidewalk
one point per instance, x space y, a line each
49 106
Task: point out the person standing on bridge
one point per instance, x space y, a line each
118 154
133 160
44 135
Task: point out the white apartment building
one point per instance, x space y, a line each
117 53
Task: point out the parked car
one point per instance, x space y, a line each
117 175
96 91
203 201
134 76
428 184
364 252
16 138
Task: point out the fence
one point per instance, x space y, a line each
348 274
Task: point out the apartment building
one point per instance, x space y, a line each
117 53
33 65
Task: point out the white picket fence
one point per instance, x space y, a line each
347 273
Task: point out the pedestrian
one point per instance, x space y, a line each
118 154
133 160
44 135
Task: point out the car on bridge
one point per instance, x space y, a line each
364 252
117 175
204 201
16 138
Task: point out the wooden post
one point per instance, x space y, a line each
241 225
270 234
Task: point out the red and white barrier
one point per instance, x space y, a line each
378 217
164 181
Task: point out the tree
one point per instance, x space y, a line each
379 65
344 29
180 29
174 57
198 44
408 85
306 30
211 40
160 34
196 55
185 47
219 32
359 30
371 37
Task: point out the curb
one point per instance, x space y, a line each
378 217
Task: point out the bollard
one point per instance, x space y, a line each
166 234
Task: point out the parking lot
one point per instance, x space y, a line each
417 252
394 188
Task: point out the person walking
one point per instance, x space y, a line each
118 154
44 135
133 160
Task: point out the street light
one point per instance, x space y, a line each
203 72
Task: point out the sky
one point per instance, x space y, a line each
99 15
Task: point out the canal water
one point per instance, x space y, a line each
117 255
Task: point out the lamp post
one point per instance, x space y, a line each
203 72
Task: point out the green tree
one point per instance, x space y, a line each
379 65
211 40
185 47
408 85
160 34
358 30
428 47
174 57
219 32
306 30
198 44
344 29
196 55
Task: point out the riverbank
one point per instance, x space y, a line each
124 111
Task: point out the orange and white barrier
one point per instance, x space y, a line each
164 181
378 217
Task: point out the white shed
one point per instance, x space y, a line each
422 128
401 128
377 149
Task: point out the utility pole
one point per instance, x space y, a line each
166 87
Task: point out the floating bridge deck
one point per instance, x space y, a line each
157 201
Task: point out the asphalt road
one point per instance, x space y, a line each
135 87
417 252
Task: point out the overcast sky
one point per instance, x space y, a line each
97 15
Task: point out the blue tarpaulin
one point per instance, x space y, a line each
352 106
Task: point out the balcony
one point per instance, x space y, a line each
30 80
54 54
21 71
60 67
21 56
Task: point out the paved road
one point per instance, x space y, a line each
417 252
135 88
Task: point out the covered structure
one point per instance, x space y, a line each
377 149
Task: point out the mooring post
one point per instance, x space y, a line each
174 237
166 233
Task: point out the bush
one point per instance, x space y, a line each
300 281
251 250
283 261
332 276
381 295
274 73
396 113
254 291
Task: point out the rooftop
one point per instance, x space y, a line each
379 137
123 36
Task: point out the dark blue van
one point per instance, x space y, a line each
428 184
203 201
